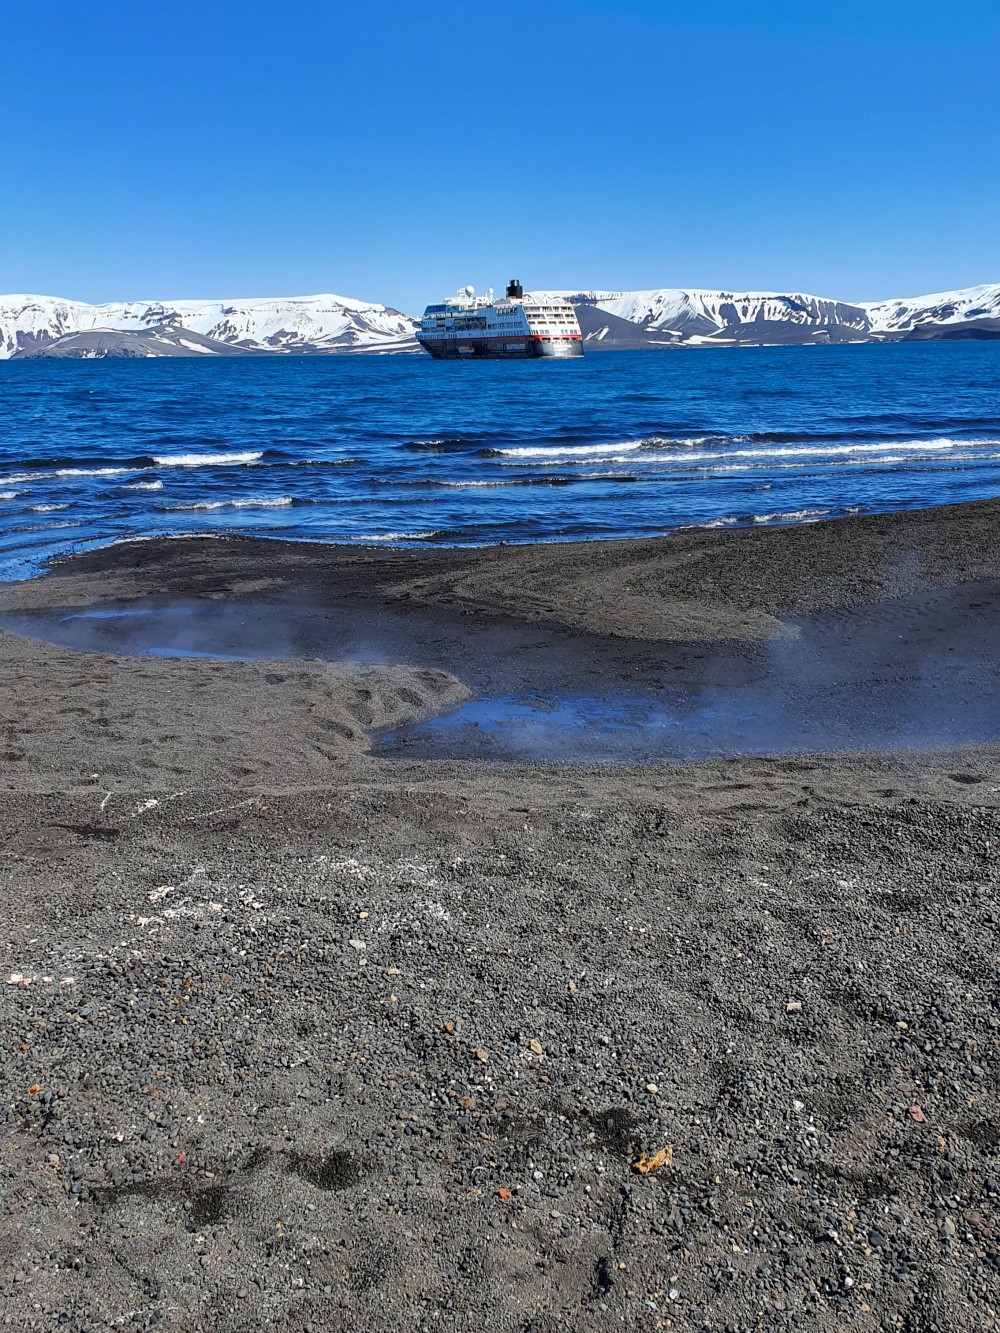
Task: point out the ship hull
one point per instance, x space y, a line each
496 349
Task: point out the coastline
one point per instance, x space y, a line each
351 1041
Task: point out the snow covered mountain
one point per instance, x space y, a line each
670 316
46 326
973 309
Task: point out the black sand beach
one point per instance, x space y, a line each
301 1038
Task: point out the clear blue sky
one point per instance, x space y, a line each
394 149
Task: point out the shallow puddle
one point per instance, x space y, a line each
160 638
764 719
882 677
599 725
176 630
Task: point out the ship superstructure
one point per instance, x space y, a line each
467 326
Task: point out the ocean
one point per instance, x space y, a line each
405 451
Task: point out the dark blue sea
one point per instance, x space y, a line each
405 451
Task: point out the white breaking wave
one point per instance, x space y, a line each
17 477
576 450
787 516
143 486
818 450
397 536
46 509
92 471
469 485
883 451
207 460
794 515
8 495
588 453
100 545
685 450
251 502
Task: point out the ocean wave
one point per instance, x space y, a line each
610 450
46 509
248 502
398 536
616 477
791 516
92 471
8 495
143 486
570 451
847 448
778 516
319 462
723 460
444 445
503 482
476 485
15 478
208 460
684 451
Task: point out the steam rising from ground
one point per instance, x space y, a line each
915 670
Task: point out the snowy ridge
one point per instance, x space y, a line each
47 325
967 305
692 316
698 313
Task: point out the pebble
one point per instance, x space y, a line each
377 1133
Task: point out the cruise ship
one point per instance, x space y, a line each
469 326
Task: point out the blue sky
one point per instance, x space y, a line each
395 149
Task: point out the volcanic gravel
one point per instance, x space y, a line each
344 1043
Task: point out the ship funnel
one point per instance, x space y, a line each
514 290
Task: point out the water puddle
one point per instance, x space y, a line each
174 644
177 630
768 718
883 677
608 725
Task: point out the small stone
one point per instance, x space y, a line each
651 1087
793 1007
536 1046
481 1054
948 1227
357 944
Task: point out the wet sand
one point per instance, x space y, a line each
313 1039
